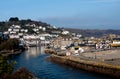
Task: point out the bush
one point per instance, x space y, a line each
6 67
10 44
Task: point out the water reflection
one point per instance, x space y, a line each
34 51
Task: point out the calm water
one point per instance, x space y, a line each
34 59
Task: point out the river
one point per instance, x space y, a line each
34 59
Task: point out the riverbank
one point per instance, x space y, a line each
8 53
89 65
21 73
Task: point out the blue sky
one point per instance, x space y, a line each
84 14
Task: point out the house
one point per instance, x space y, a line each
62 42
22 30
30 25
44 29
16 30
6 33
17 26
35 29
65 32
26 30
9 29
56 32
14 36
40 27
12 32
54 27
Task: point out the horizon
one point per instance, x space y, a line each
82 14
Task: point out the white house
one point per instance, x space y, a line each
12 32
20 34
6 32
17 26
65 32
16 30
9 29
44 29
54 27
14 36
35 29
40 27
22 30
79 35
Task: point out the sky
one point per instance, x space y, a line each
82 14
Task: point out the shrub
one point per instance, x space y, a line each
10 44
6 66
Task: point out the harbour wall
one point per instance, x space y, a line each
92 66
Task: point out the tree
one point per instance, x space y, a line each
29 20
14 19
6 67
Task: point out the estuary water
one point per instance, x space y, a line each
35 60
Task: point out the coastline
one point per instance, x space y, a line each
9 53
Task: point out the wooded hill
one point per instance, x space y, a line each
4 25
95 32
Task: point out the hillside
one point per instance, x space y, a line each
4 25
28 24
95 33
